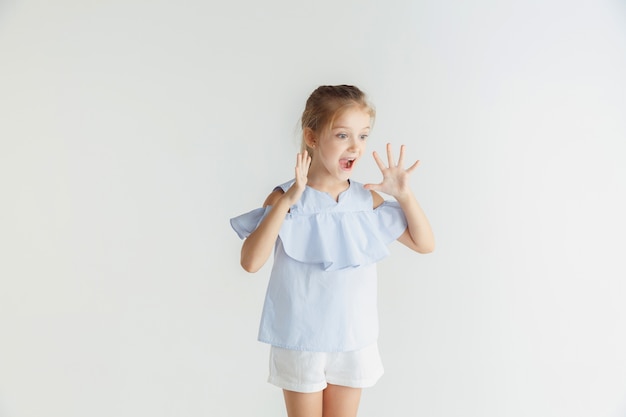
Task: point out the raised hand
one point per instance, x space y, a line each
303 162
395 178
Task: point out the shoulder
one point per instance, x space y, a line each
273 197
278 191
377 199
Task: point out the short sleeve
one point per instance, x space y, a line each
390 221
247 223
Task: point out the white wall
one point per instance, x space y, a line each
130 131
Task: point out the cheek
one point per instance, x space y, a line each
324 154
330 149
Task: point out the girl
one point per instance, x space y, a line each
327 233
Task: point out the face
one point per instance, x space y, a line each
337 151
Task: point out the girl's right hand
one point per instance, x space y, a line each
303 162
258 246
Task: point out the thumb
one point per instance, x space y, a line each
372 187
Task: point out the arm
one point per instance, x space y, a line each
258 246
418 236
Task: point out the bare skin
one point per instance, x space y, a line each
419 235
334 401
258 246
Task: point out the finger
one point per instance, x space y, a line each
301 164
413 167
298 162
401 158
374 187
389 155
379 161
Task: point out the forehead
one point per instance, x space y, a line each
354 118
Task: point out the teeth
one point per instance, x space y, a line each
349 162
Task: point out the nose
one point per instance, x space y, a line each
355 143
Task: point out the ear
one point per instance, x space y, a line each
309 137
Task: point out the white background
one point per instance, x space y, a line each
131 131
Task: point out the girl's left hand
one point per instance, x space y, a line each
395 178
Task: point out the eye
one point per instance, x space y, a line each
364 137
342 136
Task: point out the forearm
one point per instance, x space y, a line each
258 246
420 235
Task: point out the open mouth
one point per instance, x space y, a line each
347 163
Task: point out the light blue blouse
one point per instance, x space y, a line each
322 293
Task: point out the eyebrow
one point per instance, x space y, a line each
346 127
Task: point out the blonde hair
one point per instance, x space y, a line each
327 103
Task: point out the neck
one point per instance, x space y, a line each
320 179
334 188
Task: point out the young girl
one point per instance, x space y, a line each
327 233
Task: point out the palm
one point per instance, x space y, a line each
395 177
303 162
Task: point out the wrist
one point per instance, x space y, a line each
405 196
288 199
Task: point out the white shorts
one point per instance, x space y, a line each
300 371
